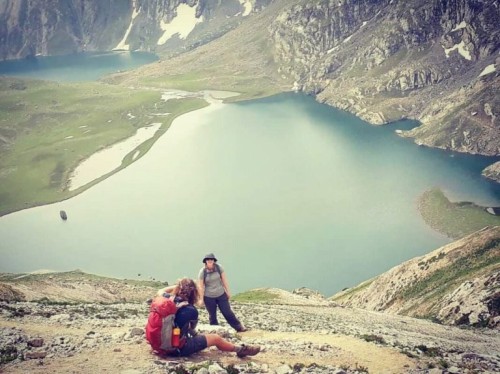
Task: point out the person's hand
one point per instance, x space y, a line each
228 295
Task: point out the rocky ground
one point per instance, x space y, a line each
299 332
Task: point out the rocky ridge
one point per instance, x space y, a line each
387 60
297 335
457 284
54 27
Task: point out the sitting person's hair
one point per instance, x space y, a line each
187 290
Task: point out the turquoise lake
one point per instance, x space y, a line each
285 191
76 67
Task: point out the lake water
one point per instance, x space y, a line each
287 193
76 67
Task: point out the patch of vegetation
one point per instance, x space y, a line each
16 311
408 354
374 338
455 220
8 353
424 265
256 296
446 278
429 351
298 367
46 301
357 368
352 291
443 364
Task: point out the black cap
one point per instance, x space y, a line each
209 256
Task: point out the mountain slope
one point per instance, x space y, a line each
457 284
386 60
300 332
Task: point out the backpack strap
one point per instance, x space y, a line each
205 273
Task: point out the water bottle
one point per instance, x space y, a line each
176 337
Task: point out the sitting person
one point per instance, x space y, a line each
186 318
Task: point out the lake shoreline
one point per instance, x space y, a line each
112 163
272 178
209 97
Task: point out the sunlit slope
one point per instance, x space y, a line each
241 61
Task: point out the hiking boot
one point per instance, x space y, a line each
242 329
248 350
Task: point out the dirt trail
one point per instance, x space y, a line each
343 351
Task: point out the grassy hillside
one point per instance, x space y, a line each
48 128
454 219
240 61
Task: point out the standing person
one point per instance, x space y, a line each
215 290
186 318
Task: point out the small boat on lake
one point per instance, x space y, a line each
63 215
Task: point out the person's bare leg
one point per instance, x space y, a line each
223 345
219 342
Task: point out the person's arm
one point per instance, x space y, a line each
201 290
225 284
168 289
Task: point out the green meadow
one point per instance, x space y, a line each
453 219
48 128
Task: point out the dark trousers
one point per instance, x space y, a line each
222 302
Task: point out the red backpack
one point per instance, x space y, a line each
159 328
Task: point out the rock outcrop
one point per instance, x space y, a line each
433 61
493 171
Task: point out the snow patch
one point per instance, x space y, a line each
461 49
488 70
461 25
247 4
122 45
182 25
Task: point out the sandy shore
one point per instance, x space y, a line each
109 159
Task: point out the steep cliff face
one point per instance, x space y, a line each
434 61
457 284
51 27
30 28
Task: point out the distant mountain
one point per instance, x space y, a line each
436 61
51 27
